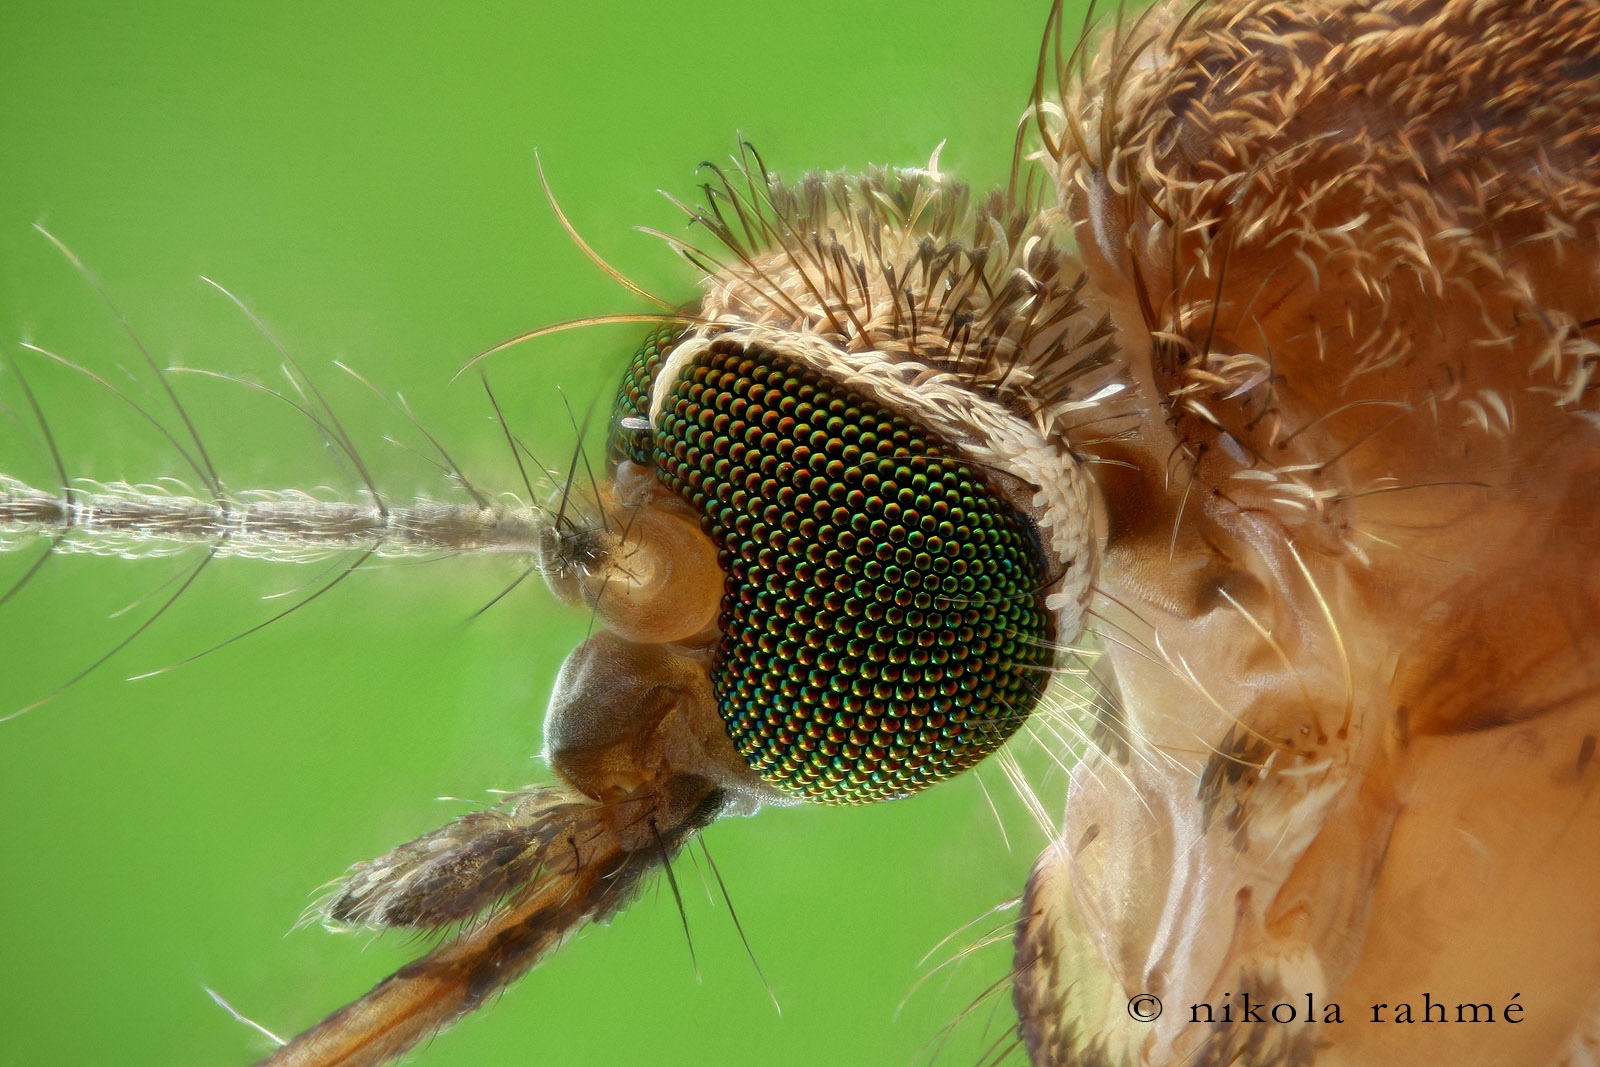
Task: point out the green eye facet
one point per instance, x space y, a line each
883 625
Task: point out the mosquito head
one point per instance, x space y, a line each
844 538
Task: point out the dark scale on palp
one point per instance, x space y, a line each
883 626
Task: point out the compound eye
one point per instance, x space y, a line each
883 624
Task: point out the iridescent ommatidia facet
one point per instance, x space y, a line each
882 626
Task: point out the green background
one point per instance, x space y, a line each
363 177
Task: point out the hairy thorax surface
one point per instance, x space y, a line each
1349 596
